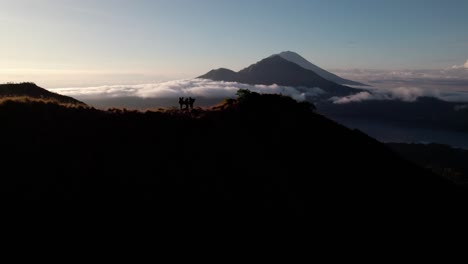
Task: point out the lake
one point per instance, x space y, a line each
386 132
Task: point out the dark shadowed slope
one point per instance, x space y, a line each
276 70
258 155
31 90
451 163
301 61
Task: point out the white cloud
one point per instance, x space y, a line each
184 88
410 94
359 97
406 94
464 66
458 96
452 78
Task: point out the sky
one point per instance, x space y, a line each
69 43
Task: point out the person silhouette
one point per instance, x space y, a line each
191 102
186 103
181 102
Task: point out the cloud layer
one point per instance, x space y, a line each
406 94
464 66
450 84
215 89
453 78
184 88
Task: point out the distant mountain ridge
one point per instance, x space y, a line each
31 90
277 70
301 61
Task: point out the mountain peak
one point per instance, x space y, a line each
277 70
221 74
289 53
301 61
287 68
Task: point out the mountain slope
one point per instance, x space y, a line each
259 155
276 70
31 90
441 159
299 60
220 74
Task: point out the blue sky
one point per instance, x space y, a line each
61 43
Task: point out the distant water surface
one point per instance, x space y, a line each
386 133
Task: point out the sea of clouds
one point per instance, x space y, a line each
449 84
184 88
406 94
454 78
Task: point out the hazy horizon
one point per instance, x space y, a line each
64 43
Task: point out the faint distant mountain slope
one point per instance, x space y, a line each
276 70
31 90
301 61
221 74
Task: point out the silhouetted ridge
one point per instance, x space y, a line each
276 70
31 90
258 154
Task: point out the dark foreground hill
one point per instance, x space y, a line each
31 90
444 160
258 155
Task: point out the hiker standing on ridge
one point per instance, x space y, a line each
191 102
181 102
